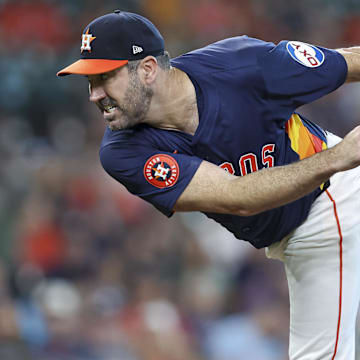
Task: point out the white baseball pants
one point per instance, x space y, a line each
322 264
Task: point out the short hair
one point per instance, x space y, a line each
162 60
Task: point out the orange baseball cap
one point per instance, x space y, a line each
112 40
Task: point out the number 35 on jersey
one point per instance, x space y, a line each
248 163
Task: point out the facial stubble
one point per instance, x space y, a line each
136 104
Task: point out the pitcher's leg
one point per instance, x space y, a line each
323 271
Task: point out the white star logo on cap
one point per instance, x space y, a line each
86 41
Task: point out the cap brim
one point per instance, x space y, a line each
91 67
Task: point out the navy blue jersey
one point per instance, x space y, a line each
247 93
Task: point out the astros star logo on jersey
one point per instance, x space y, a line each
161 170
86 41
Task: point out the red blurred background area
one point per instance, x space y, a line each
37 23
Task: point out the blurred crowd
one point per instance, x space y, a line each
89 272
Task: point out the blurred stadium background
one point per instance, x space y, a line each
87 271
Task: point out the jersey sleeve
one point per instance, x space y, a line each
156 176
296 73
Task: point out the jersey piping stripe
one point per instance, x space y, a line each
340 272
303 142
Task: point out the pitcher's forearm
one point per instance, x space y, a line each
214 190
271 188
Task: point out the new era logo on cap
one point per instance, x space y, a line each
137 49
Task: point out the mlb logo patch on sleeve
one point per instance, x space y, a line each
161 171
305 54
